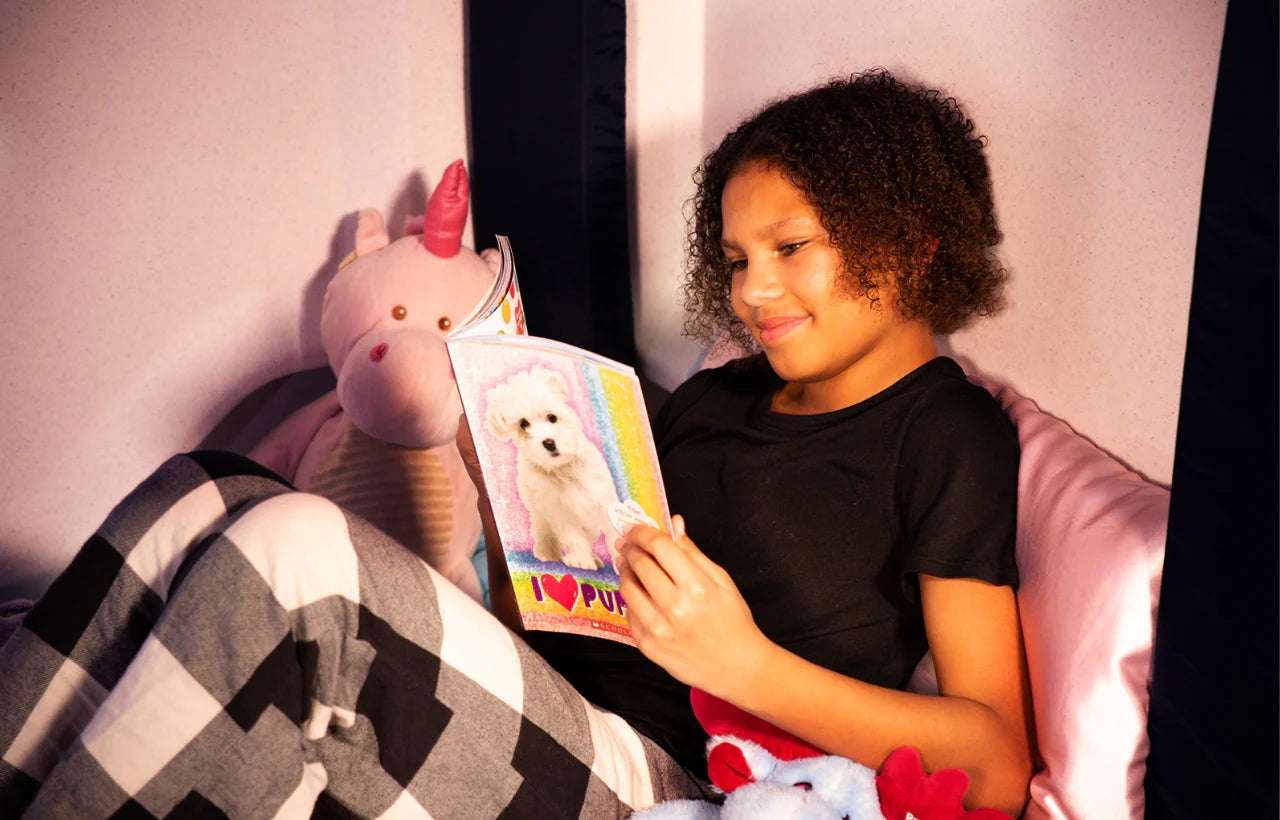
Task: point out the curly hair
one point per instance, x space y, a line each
899 181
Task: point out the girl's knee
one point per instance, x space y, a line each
301 546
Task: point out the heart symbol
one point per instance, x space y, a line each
562 590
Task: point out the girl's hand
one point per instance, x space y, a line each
685 612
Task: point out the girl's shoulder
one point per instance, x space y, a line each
948 402
956 428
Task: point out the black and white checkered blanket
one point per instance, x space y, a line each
226 646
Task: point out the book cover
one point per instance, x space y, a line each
563 440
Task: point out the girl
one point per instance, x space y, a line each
848 498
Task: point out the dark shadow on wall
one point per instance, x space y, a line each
268 405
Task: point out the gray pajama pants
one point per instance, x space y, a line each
225 646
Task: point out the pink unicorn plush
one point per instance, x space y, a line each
382 443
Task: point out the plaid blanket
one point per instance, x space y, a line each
224 646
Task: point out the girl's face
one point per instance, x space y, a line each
833 350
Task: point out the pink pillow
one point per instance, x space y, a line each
1090 552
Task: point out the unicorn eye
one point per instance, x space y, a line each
524 424
399 312
551 417
803 785
445 323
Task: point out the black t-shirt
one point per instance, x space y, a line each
823 522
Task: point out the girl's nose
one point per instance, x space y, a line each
758 283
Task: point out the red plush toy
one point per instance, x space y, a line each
904 790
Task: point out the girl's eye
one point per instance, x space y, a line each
789 248
524 424
551 417
736 265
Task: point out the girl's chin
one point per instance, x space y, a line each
786 367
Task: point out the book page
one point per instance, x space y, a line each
564 442
501 312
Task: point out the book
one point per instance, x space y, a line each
501 311
563 440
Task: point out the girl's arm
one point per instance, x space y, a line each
688 616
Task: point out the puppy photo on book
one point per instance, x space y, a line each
562 478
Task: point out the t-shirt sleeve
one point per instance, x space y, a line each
958 489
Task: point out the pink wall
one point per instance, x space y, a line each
174 174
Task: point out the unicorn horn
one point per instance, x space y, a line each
446 214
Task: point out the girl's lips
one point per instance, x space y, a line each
774 329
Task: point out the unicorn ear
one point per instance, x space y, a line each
371 233
493 258
446 214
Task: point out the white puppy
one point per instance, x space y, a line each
561 476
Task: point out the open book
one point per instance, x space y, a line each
563 440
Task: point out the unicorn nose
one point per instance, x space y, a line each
378 353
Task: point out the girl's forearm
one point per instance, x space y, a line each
865 723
